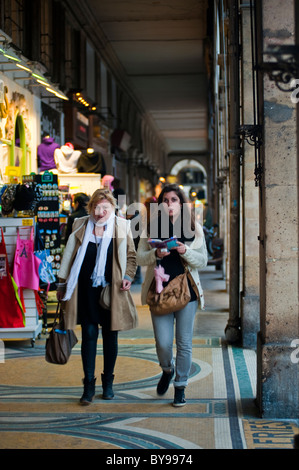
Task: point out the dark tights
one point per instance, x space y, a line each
90 332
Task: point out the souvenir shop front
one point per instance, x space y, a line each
40 173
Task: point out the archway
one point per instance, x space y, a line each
192 176
187 163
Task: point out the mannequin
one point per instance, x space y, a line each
91 162
45 154
66 158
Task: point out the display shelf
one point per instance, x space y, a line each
80 182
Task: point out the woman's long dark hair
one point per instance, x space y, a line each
187 213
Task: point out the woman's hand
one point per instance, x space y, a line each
60 290
60 295
180 248
161 254
126 284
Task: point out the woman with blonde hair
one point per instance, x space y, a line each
100 252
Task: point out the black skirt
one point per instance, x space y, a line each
88 296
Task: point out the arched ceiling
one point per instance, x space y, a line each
160 46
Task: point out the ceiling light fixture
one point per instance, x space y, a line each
23 67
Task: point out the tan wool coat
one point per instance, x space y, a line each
123 310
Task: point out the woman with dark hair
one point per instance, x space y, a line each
79 210
174 217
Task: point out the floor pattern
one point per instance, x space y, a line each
39 402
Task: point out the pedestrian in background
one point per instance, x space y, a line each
79 210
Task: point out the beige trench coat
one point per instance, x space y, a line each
123 310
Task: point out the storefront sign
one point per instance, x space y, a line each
82 125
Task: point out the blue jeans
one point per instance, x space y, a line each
164 335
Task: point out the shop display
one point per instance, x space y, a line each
20 197
66 158
7 198
48 222
45 154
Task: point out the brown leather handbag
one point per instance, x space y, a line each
173 297
60 342
105 297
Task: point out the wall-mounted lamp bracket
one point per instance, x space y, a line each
252 133
282 66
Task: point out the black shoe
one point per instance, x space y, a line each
89 392
179 397
107 387
164 382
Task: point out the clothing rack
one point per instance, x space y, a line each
33 326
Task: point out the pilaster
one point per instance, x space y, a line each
277 393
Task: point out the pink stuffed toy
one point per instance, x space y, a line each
160 277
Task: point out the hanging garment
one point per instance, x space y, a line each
11 312
45 270
26 264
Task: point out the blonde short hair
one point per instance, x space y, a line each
98 196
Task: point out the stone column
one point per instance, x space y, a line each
250 301
277 392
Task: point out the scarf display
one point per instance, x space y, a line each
98 275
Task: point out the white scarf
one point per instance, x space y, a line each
98 275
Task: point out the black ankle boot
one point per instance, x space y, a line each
107 382
89 392
179 396
164 382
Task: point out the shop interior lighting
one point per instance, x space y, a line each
8 56
63 97
24 68
56 93
36 76
82 100
42 82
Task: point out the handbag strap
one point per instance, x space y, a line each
58 312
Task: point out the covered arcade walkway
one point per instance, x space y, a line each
39 402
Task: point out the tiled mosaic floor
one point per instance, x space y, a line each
39 402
